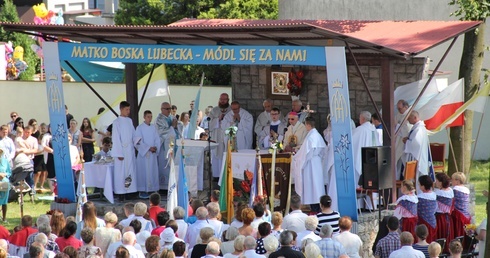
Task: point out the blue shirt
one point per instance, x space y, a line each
330 248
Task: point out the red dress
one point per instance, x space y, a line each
406 211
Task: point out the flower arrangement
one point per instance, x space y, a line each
295 85
277 145
231 131
470 229
243 187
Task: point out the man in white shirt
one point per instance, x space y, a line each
194 229
365 135
273 131
7 144
111 250
129 212
129 241
167 130
311 223
351 242
406 240
243 120
216 132
213 212
417 145
123 137
402 107
295 220
147 159
212 250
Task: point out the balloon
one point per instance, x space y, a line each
19 53
38 50
40 10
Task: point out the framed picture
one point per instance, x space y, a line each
277 83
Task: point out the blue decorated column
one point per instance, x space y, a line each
57 118
338 92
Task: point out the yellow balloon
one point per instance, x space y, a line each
19 53
40 10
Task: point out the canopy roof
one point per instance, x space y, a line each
395 38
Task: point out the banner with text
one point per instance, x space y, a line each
338 92
184 54
57 118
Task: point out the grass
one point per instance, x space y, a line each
478 177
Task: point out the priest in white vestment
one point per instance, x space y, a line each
217 134
244 121
365 135
400 155
308 166
147 158
264 118
123 141
272 132
295 135
166 126
417 145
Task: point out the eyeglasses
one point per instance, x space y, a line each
291 118
274 114
166 108
13 116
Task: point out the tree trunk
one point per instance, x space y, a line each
469 68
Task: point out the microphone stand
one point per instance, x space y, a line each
210 172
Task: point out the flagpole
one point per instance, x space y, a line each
288 203
478 133
272 194
451 148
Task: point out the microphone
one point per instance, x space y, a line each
208 119
177 117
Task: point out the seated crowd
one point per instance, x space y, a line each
255 232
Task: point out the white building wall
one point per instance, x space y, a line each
66 5
29 99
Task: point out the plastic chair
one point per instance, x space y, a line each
438 151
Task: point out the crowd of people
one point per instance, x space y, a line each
255 231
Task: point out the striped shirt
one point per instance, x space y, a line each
328 218
423 248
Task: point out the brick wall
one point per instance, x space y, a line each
249 84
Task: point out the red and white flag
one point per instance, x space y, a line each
444 105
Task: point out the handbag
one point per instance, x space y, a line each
4 186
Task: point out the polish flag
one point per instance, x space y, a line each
440 107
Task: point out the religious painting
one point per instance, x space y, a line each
277 83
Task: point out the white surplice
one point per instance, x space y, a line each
147 161
417 148
123 140
308 168
244 135
400 155
297 131
364 135
263 120
217 134
264 136
167 135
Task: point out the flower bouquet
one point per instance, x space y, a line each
243 187
295 85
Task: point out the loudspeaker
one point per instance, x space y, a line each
376 167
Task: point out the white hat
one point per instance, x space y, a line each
167 235
141 239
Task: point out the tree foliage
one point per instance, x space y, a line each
244 9
9 14
163 12
471 10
